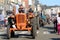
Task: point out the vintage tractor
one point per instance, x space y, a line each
22 23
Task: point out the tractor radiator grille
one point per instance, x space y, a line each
21 18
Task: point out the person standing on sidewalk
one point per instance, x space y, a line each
55 24
1 20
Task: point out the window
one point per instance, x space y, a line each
16 1
1 1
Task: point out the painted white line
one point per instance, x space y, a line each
37 31
46 32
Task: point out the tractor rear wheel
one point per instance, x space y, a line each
34 28
33 32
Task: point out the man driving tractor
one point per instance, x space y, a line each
22 22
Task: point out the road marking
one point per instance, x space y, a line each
37 31
46 32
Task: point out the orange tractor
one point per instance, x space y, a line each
22 23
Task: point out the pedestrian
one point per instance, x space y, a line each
1 20
55 24
11 20
41 14
15 8
48 19
58 23
29 16
30 13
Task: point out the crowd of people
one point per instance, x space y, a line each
43 17
56 21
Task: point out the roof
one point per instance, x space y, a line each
48 7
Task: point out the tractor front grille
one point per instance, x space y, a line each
21 18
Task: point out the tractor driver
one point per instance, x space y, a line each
21 9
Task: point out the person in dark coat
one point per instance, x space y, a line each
55 25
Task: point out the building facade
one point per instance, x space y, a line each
2 6
52 10
8 4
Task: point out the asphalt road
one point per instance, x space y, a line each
45 33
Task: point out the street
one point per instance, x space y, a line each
29 15
45 33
